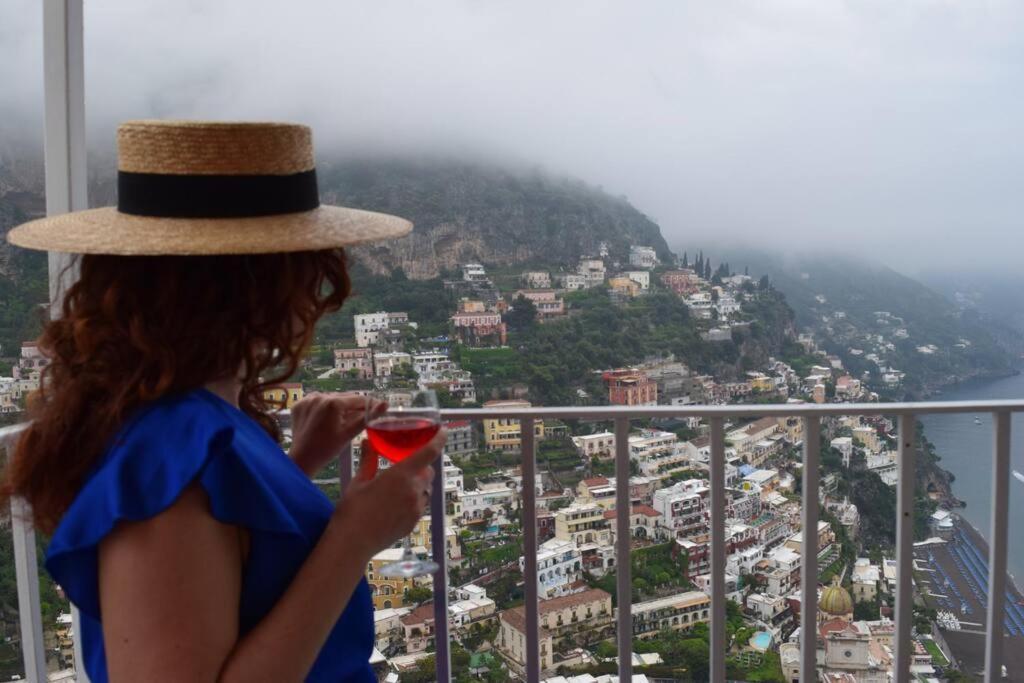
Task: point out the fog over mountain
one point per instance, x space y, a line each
884 129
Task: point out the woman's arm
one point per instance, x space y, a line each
170 585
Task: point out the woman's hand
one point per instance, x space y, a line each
378 510
323 423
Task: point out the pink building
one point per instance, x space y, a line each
360 360
546 301
682 282
480 328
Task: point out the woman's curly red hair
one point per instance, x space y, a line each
137 328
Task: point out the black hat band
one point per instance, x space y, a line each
215 196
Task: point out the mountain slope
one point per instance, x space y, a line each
855 305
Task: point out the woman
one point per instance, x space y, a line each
194 548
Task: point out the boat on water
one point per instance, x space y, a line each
977 420
1018 476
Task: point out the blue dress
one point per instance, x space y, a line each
251 483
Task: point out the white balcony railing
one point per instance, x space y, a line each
715 415
28 572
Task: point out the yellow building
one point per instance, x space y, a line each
794 428
624 285
389 591
286 394
583 523
504 433
762 383
420 537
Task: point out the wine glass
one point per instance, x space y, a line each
410 422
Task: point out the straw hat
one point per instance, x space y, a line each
201 187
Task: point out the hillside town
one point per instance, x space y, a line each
669 515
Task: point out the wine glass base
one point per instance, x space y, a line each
408 569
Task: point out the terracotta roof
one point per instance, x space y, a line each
701 441
420 615
832 626
645 510
516 616
595 481
456 424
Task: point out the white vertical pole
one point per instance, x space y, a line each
718 503
995 612
65 169
442 653
809 567
905 549
26 572
623 578
530 550
64 134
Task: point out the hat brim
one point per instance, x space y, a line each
108 231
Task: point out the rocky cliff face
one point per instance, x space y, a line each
465 212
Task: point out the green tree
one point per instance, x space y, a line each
522 316
418 595
865 611
606 650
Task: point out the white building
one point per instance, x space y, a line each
368 326
727 306
431 364
474 272
593 272
573 281
477 501
643 257
659 453
559 565
680 611
866 577
537 279
683 506
884 465
453 480
844 445
601 444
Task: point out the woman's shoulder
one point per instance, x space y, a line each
176 416
159 452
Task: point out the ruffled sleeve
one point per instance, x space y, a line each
150 463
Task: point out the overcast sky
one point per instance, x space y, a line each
889 129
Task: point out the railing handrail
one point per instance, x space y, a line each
739 410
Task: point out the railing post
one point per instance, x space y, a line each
905 548
529 516
809 567
345 467
64 117
65 170
997 548
718 502
26 571
623 578
442 654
